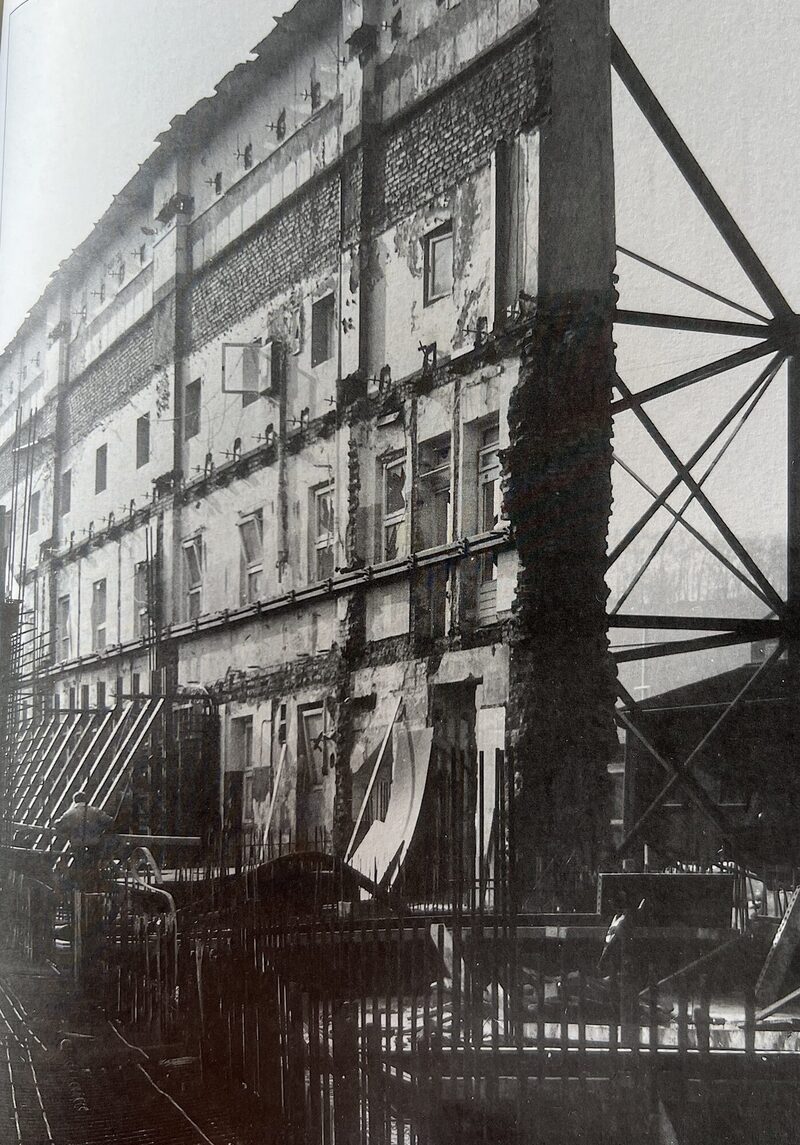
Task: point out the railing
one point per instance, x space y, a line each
329 1017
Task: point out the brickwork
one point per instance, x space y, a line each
294 243
437 146
110 381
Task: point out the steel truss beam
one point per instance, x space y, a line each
630 400
697 179
717 519
766 374
693 325
691 284
678 517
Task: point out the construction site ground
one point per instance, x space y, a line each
67 1077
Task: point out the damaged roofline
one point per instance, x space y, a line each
182 130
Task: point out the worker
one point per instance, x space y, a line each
89 830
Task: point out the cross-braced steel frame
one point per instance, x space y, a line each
775 342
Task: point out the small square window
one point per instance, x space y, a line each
142 440
33 513
191 410
438 263
322 313
218 183
100 468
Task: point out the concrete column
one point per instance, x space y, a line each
559 488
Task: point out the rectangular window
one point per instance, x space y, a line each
322 314
71 698
314 753
438 263
489 512
100 468
85 696
98 615
433 518
101 694
142 440
323 535
394 509
193 577
251 542
141 600
63 634
191 410
33 514
66 492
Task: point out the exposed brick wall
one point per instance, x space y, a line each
432 149
45 425
295 242
109 382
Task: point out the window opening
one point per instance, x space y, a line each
323 533
33 512
193 576
98 615
142 440
100 468
394 509
191 410
141 625
63 635
439 263
251 540
322 315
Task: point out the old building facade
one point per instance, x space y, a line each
266 401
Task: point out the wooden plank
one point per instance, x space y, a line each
784 946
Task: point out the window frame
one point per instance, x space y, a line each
431 241
64 627
436 480
323 541
394 518
99 622
193 592
251 568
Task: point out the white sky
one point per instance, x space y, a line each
91 82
